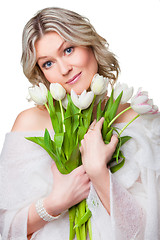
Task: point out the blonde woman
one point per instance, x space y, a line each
61 46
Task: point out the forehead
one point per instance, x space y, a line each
51 41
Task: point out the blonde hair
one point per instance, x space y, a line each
73 28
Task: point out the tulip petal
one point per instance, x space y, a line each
38 94
87 100
43 88
82 101
99 84
141 109
140 99
57 91
127 94
75 99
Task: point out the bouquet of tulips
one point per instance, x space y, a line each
71 116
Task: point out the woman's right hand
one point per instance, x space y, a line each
67 191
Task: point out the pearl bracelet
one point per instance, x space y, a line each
43 213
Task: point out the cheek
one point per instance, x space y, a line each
50 76
85 58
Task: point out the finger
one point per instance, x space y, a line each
113 143
114 140
92 125
99 124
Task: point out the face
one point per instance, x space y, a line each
61 62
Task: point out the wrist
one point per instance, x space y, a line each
51 205
43 214
98 171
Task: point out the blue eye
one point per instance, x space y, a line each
47 64
68 50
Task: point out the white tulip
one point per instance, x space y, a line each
57 91
127 92
141 103
99 84
38 94
82 101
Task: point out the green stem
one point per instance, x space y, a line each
47 108
82 208
89 228
118 116
62 114
72 214
76 221
129 124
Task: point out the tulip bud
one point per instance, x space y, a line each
99 84
82 101
38 94
127 92
57 91
141 103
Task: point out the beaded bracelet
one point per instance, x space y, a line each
43 213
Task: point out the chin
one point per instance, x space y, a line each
79 89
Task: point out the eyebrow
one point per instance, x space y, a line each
59 48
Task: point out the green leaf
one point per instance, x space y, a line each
58 139
68 120
66 145
109 135
53 155
59 115
37 140
114 107
81 132
99 111
47 140
104 128
117 167
87 114
124 139
53 116
74 160
74 114
108 106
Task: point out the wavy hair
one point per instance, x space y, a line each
72 27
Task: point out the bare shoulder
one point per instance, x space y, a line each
32 119
127 116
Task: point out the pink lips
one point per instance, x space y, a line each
74 79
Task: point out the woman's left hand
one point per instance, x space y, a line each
95 153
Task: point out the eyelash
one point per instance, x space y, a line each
44 65
69 48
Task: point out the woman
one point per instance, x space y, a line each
62 46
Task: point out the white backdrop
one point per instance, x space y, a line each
132 28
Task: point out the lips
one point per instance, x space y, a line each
74 79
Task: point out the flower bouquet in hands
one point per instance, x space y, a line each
71 116
70 123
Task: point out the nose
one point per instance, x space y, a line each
64 67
